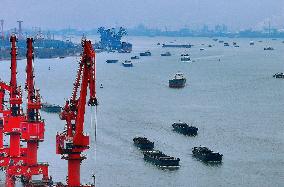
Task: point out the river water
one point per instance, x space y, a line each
235 102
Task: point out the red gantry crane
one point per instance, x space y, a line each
20 161
32 131
72 141
13 155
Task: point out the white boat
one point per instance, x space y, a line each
127 63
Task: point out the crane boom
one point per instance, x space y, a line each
88 80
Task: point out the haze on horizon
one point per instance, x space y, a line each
175 14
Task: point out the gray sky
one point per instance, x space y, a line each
173 14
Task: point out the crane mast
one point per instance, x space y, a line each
33 98
14 154
15 93
33 127
72 142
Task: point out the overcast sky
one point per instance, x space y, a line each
173 14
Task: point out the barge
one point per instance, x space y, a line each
185 129
111 61
206 155
160 159
134 57
268 49
147 53
177 45
143 143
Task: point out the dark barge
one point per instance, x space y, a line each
206 155
185 129
143 143
160 159
134 57
111 61
147 53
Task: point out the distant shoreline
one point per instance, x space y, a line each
8 59
209 36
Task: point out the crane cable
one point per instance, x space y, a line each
95 121
94 112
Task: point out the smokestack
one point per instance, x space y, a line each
2 28
20 29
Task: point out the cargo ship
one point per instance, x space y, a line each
226 44
268 48
185 58
177 45
143 143
51 108
178 81
111 61
185 129
160 159
166 54
206 155
147 53
134 57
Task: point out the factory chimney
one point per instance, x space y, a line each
20 29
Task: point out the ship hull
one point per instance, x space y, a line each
127 65
189 131
143 143
134 58
180 83
111 61
213 157
161 160
206 155
145 54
